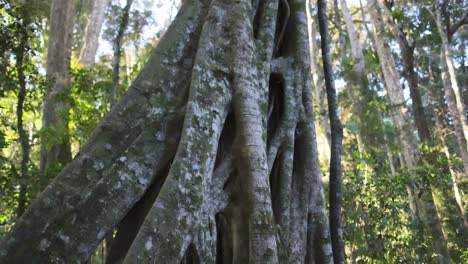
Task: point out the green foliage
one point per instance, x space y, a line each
398 14
137 21
19 43
90 94
435 172
378 224
377 227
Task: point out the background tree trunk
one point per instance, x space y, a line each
420 196
358 81
407 50
93 30
452 93
55 146
118 52
407 57
21 57
456 176
336 140
318 86
356 47
339 27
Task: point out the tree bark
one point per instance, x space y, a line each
231 182
318 86
407 59
55 146
420 196
458 194
452 93
336 139
356 47
93 30
464 68
339 27
358 81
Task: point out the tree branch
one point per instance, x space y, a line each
453 29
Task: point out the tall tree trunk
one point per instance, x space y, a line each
230 182
464 68
458 194
407 52
407 59
339 27
456 189
356 48
358 81
118 51
420 195
93 30
318 85
20 54
336 139
458 125
452 93
55 146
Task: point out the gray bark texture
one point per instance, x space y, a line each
93 30
452 92
407 47
358 79
210 157
55 146
420 195
335 194
318 86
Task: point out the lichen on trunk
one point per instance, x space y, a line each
218 131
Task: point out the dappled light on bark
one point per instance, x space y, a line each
206 150
209 157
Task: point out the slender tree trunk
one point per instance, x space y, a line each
407 56
454 176
118 52
456 188
336 140
358 80
55 146
356 47
464 68
452 94
458 194
20 53
339 27
93 30
421 200
323 133
230 182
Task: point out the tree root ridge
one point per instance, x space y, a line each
223 167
